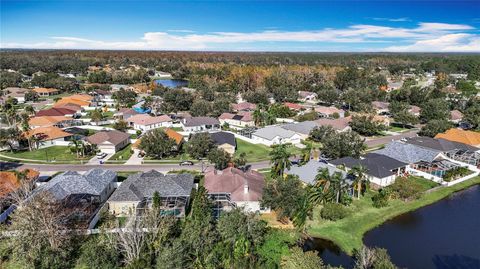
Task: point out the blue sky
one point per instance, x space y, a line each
400 26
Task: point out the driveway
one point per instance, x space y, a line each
95 160
134 159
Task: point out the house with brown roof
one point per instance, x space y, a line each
456 116
239 120
58 121
49 136
44 92
340 124
471 138
145 122
415 110
82 100
329 111
244 106
233 187
293 106
57 111
15 92
109 141
125 113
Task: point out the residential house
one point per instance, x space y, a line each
394 85
145 122
45 92
225 141
274 135
302 129
294 107
95 186
304 96
237 121
340 124
415 110
243 106
381 170
125 113
329 112
117 87
82 100
57 111
137 191
109 141
58 121
177 137
233 187
381 107
456 116
15 92
200 124
49 136
103 97
308 172
471 138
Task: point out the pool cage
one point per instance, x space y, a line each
437 168
465 156
169 205
221 202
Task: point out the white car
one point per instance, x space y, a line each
101 155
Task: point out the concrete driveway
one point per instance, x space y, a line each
134 159
95 160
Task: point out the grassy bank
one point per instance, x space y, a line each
348 232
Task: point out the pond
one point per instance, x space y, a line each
443 235
172 83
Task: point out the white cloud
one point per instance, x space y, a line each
180 31
427 36
403 19
445 43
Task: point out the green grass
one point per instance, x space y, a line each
397 129
425 183
57 153
121 176
255 153
177 129
122 156
348 232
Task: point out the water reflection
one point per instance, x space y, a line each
328 251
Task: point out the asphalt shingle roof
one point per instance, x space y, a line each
198 121
221 138
71 182
438 144
307 172
139 186
408 153
379 166
271 132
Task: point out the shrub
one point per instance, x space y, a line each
406 189
455 173
333 212
380 199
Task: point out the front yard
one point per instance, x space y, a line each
254 153
122 156
58 154
347 233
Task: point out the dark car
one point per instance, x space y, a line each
182 163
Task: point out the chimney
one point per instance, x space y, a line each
245 188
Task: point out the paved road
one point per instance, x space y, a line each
116 167
376 142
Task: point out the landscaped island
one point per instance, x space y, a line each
348 233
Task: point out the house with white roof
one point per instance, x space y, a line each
145 122
274 135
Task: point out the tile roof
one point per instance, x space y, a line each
415 109
309 171
232 180
55 111
145 119
48 133
45 90
113 136
241 116
77 99
328 110
198 121
174 135
220 138
244 106
380 105
45 121
92 182
270 132
142 185
9 181
471 138
408 153
293 106
456 115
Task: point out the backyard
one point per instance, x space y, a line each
60 154
347 233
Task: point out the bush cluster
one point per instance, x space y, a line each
333 211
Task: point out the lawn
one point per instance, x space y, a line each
255 153
348 232
425 183
397 129
51 154
122 156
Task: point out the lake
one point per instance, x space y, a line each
444 235
172 83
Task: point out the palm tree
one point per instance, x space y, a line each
302 213
257 116
327 187
359 173
77 146
280 159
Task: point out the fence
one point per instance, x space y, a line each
451 183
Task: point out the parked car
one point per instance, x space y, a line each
182 163
101 155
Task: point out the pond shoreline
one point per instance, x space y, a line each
348 241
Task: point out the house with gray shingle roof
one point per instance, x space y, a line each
409 153
309 171
137 191
200 124
301 128
95 185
